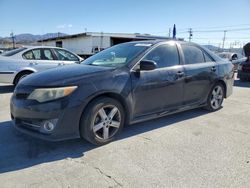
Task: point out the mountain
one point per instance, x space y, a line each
27 38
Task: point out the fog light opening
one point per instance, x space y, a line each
49 125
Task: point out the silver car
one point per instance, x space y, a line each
18 63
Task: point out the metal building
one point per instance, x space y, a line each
88 43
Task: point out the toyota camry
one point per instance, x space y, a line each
124 84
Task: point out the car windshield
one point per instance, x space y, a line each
13 52
118 55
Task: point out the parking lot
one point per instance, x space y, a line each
189 149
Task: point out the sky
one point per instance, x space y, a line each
207 18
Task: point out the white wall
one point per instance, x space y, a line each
48 43
82 44
101 42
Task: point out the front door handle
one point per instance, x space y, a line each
213 69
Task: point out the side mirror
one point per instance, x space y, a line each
147 65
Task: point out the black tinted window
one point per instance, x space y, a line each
165 55
192 54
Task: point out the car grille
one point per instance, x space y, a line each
28 124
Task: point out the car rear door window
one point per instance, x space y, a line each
28 55
164 55
47 54
37 54
65 55
192 54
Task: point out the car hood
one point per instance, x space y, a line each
69 74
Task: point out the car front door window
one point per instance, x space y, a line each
165 55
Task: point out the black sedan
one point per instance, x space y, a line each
125 84
244 67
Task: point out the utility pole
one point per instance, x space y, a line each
101 42
224 38
169 32
190 31
13 39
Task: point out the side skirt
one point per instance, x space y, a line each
165 113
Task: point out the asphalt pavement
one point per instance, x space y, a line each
189 149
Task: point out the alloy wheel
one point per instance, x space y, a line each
216 97
106 122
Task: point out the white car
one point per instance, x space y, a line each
18 63
235 58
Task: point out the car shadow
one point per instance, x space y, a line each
238 83
18 151
6 89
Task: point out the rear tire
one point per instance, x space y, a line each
215 97
20 76
102 121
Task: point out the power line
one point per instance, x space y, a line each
190 34
223 27
216 38
215 31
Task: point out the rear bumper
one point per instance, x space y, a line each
243 74
29 117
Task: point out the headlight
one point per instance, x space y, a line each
48 94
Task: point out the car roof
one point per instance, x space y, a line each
153 42
35 47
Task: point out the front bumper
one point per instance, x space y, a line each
7 77
28 117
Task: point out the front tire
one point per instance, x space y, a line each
102 121
215 97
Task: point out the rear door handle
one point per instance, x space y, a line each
33 63
180 74
213 69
